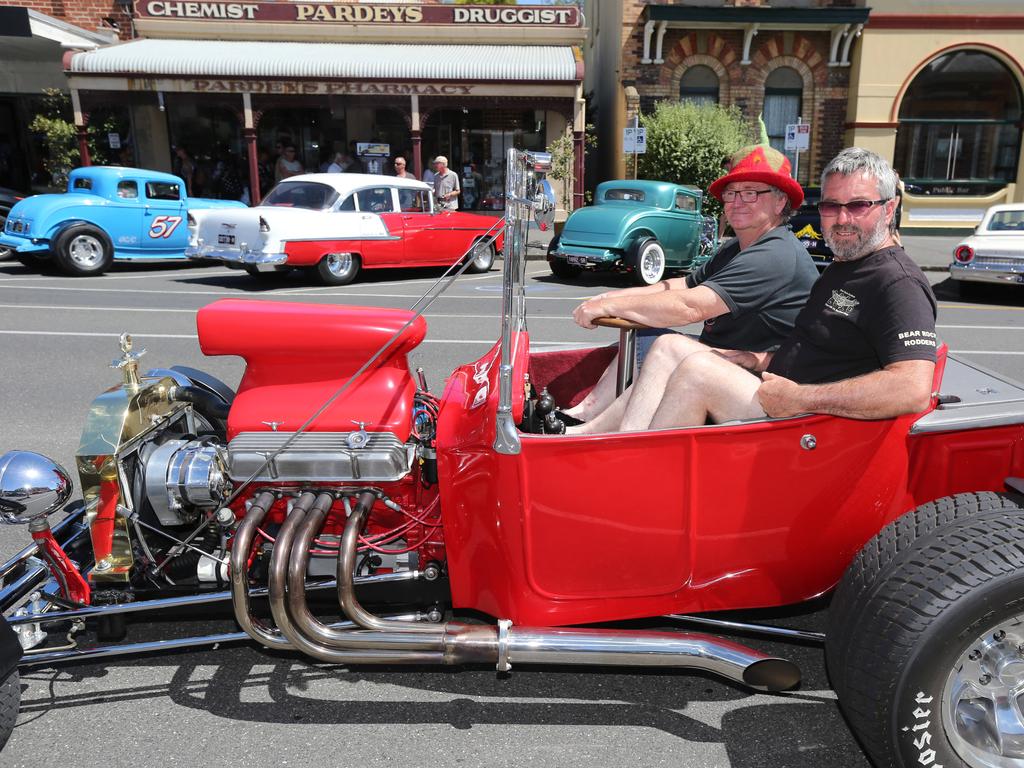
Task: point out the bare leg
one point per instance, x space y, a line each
599 398
635 407
706 385
665 356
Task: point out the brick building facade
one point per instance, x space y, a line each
737 46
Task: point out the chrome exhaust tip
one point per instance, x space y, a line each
772 675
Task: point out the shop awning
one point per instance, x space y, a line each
328 61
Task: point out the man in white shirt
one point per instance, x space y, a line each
446 184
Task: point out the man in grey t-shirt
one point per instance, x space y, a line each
446 184
747 296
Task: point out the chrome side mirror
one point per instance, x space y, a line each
544 206
31 486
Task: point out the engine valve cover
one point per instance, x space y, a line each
320 456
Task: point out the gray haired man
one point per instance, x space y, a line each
864 345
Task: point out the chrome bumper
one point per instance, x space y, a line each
235 256
1008 272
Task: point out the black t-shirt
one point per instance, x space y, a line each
765 286
862 315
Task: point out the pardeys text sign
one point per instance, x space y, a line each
362 13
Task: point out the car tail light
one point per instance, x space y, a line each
963 254
264 227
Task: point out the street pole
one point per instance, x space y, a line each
796 167
636 125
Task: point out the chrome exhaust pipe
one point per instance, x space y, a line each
316 631
371 653
255 628
389 641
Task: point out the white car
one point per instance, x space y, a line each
995 252
336 224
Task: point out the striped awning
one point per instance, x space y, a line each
325 61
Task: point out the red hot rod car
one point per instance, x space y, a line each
332 469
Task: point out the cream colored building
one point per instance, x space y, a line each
937 88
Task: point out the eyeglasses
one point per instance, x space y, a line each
746 195
854 207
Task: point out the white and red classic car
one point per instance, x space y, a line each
336 224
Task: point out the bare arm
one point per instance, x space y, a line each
899 388
661 309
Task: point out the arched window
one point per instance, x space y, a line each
959 126
699 85
783 104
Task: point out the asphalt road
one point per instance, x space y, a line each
244 706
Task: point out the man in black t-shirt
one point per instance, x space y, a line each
864 345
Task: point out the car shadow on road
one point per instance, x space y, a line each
800 729
963 292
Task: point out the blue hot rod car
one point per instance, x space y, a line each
107 213
644 228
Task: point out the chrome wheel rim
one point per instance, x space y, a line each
482 257
983 699
339 264
86 251
652 263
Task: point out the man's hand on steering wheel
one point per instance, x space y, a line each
585 313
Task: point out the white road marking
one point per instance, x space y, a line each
138 336
264 294
984 327
984 352
85 308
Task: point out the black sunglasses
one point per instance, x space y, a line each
855 207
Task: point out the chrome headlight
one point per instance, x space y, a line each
31 486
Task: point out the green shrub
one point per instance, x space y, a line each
687 144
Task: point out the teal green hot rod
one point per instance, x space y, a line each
643 228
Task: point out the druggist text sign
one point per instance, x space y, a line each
361 13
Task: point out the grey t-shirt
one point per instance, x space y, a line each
443 184
764 286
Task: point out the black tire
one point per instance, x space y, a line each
338 268
481 257
564 271
82 250
920 615
647 258
848 601
251 271
10 702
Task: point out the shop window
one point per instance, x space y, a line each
163 190
783 103
475 142
376 200
699 85
127 190
960 126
